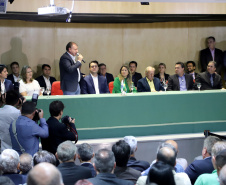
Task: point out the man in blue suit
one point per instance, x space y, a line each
69 70
94 83
149 83
6 85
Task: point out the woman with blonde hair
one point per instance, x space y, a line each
27 84
125 78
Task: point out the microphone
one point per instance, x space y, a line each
82 59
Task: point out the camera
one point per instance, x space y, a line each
36 117
66 119
34 98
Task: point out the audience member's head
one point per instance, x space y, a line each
161 174
66 151
10 161
132 141
26 163
4 180
217 147
104 161
44 156
83 182
121 151
28 109
85 152
150 72
124 71
3 72
133 67
220 160
93 67
169 145
56 108
44 174
167 155
179 68
222 176
173 143
162 68
15 68
12 98
27 74
208 145
190 66
46 70
102 69
211 67
211 42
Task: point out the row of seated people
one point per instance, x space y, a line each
115 166
152 82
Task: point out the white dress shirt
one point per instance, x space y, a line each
96 84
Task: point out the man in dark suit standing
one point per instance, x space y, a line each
15 76
69 70
180 81
103 72
135 76
211 54
104 163
149 83
46 80
191 69
209 79
71 173
94 83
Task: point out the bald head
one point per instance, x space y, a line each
174 143
167 155
44 174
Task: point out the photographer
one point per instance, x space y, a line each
58 132
28 131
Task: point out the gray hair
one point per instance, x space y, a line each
25 162
66 151
104 161
44 174
44 156
149 68
217 147
132 141
85 151
167 145
9 161
209 142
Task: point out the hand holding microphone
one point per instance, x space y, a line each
80 57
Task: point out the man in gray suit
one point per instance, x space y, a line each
69 70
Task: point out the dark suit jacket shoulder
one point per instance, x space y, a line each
90 166
199 167
8 85
173 82
138 164
109 179
10 77
42 82
143 86
17 178
109 77
87 86
136 77
158 76
71 173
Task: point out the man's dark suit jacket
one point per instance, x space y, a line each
90 166
8 85
15 84
136 77
108 179
199 167
58 133
42 82
71 173
143 86
137 164
68 73
173 82
204 79
109 77
17 178
87 86
158 76
206 57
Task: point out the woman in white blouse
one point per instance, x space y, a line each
28 85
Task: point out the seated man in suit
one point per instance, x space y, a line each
71 173
15 76
133 162
149 83
104 163
135 76
210 80
180 81
103 72
94 83
46 80
191 69
205 165
211 54
85 155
